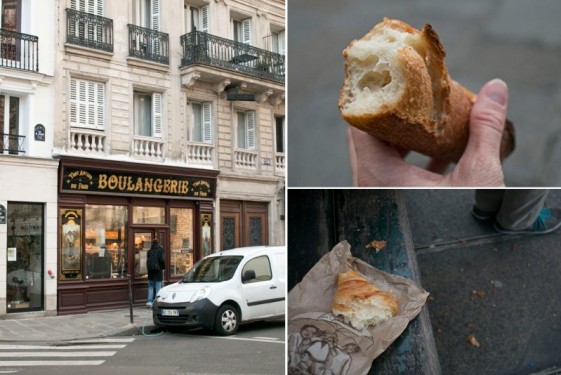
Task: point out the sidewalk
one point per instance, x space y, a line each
78 326
503 290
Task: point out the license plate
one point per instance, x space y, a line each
170 312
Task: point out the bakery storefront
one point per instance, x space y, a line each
108 214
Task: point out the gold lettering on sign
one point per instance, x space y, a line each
102 182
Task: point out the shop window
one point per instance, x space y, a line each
148 114
258 269
106 241
24 277
280 134
181 241
202 122
87 104
10 139
246 130
148 215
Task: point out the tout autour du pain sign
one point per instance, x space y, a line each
91 180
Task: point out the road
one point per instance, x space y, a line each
257 348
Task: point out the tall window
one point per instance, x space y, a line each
280 134
246 130
202 122
84 28
87 104
277 42
9 124
11 9
199 19
242 30
147 13
148 114
181 240
88 6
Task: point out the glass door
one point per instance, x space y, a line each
25 257
142 243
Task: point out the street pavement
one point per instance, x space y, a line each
503 290
77 326
516 40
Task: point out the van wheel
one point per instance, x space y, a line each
227 320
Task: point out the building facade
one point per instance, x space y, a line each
28 173
169 124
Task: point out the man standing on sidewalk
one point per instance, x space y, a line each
155 263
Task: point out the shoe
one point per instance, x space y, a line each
548 221
148 304
483 215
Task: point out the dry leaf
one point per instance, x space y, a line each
477 293
378 245
473 341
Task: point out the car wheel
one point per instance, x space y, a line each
227 320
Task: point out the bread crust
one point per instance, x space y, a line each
354 290
432 114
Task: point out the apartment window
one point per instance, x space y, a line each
148 114
202 122
147 13
242 30
87 104
88 6
199 19
246 130
11 9
277 42
9 124
279 134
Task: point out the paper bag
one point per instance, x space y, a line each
321 343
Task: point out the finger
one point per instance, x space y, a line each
352 155
487 120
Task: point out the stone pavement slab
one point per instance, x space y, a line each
78 326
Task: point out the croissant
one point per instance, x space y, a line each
397 88
360 302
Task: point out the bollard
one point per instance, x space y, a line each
130 297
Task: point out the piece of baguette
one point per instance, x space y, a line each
360 302
397 88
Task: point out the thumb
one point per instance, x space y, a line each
487 120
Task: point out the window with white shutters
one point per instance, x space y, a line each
157 115
246 130
202 122
148 114
87 104
82 28
242 30
146 13
88 6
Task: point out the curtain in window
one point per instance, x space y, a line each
142 114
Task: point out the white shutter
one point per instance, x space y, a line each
82 113
99 8
204 23
157 115
100 119
207 123
281 43
246 31
156 15
91 104
250 126
73 102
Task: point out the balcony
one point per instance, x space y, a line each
206 49
19 51
280 164
200 154
12 144
87 142
245 159
148 148
148 44
88 30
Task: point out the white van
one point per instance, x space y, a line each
225 289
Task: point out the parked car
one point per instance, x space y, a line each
225 289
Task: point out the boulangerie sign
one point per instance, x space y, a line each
320 342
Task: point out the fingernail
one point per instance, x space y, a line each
496 90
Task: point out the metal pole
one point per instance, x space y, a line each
130 298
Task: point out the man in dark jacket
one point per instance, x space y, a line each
155 274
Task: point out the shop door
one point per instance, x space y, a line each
243 224
25 257
142 243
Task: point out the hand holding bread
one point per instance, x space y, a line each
397 88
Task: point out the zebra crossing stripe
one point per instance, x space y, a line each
63 347
56 354
50 363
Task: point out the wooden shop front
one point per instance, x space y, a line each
108 214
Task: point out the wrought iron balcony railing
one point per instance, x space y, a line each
148 44
203 48
12 144
18 50
89 30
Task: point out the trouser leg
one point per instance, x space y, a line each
520 208
489 200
